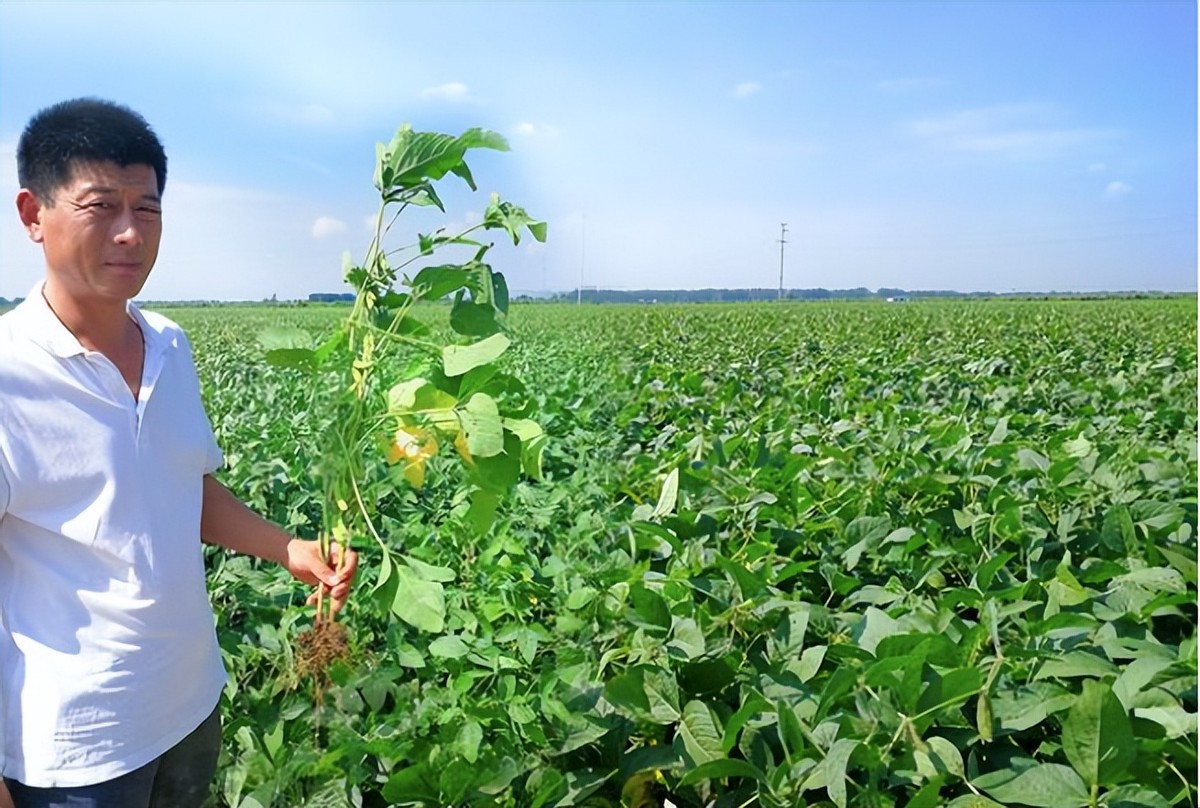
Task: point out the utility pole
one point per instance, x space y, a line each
782 241
582 246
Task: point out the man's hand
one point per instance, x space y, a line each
305 563
227 522
5 798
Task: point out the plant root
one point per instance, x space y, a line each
321 646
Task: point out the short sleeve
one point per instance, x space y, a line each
5 482
214 458
5 490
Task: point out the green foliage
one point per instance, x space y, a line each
793 555
401 410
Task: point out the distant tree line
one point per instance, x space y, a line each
749 295
690 296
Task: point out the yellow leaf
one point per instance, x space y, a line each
415 473
460 443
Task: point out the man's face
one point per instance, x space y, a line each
100 231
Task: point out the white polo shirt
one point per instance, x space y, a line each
108 654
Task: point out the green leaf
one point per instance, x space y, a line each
668 496
1137 674
481 422
790 733
434 283
1176 721
1117 531
276 338
410 785
1030 705
533 444
973 801
458 359
474 319
580 597
1134 796
547 786
512 219
1154 579
874 626
1046 785
938 759
500 292
748 583
753 706
831 773
429 572
327 348
482 513
422 397
700 732
455 781
295 358
722 769
687 638
497 777
627 692
1035 461
420 603
809 663
662 693
413 157
1185 564
1077 663
470 735
650 607
449 646
499 472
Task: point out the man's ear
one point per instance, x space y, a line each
29 208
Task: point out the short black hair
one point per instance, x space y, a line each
86 130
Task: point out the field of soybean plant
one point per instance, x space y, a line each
784 554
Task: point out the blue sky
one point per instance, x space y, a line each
952 145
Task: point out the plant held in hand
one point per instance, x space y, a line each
448 393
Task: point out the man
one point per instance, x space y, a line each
110 672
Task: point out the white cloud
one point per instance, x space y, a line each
452 91
1116 189
1018 130
538 130
326 226
747 89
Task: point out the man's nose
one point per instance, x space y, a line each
126 228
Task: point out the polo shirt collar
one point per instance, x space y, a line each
46 330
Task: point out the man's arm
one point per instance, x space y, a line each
227 522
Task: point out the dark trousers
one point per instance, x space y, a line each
179 778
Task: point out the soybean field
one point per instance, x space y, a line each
784 554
